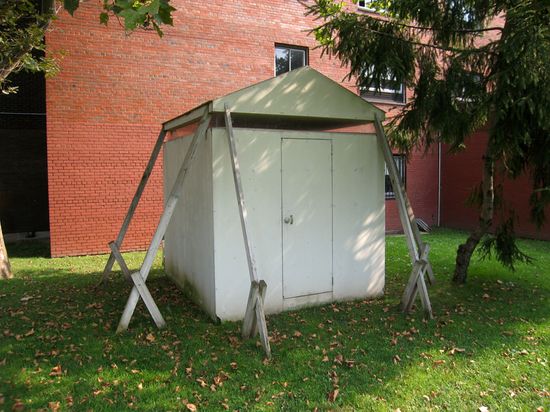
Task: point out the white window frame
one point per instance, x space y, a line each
290 48
372 89
364 6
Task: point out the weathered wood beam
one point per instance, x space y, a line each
169 208
133 205
187 118
254 314
140 285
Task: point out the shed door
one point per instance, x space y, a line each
306 216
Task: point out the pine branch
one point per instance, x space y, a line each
427 29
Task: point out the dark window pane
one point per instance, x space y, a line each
282 61
400 163
297 58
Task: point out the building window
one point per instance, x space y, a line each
400 162
389 90
364 5
288 58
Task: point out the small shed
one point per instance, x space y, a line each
314 196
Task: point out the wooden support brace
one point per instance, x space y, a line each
261 293
417 285
140 285
254 318
254 322
418 251
133 205
169 208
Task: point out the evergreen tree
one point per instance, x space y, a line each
471 64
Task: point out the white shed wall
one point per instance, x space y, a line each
260 160
358 218
189 242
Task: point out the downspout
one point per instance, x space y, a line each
439 184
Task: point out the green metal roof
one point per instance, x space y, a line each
301 93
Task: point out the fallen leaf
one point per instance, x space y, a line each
456 350
150 337
332 395
483 409
56 371
54 406
191 407
18 406
297 334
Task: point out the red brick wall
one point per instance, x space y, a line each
106 106
461 172
421 186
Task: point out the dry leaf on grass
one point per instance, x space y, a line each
332 395
56 371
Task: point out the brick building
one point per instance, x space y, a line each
104 109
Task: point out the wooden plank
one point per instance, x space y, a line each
423 292
255 303
120 260
398 190
430 272
418 251
148 299
409 291
262 326
187 118
249 315
164 221
133 205
243 213
261 294
140 285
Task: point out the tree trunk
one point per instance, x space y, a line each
5 268
466 250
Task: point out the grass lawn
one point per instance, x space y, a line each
489 344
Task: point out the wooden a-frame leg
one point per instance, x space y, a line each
254 319
417 284
163 223
418 250
139 284
261 293
249 314
133 205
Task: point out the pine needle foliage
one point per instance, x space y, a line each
471 64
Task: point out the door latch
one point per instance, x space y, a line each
289 220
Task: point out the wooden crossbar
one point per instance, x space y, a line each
254 319
140 286
133 205
169 208
418 251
